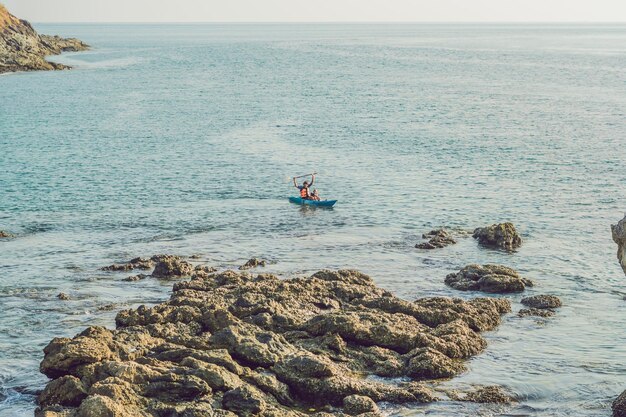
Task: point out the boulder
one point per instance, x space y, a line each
542 301
503 235
170 266
244 401
537 312
488 278
619 237
619 406
439 238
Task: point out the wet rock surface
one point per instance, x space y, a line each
539 306
238 344
618 231
253 263
619 406
488 278
4 234
438 238
542 301
63 296
489 394
22 49
503 235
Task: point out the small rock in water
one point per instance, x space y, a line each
63 296
503 235
439 238
542 301
618 231
537 312
136 263
619 406
488 278
253 263
4 234
138 277
490 394
540 305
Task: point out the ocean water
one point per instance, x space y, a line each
182 138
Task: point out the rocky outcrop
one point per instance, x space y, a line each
135 263
253 263
438 238
240 344
540 305
619 406
488 278
503 235
619 236
22 49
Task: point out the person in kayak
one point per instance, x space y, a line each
315 196
305 193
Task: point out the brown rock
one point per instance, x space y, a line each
168 266
63 296
542 301
488 278
439 238
67 390
503 235
490 394
359 404
619 406
253 263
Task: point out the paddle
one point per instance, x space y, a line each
307 175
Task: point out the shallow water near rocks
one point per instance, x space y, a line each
182 138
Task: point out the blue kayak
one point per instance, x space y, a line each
315 203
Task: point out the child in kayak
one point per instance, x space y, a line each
305 193
315 196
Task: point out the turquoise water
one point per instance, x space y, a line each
182 138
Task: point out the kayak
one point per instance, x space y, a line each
315 203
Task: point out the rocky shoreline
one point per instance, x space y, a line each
23 49
234 343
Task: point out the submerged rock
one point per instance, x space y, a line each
619 406
488 278
240 344
136 263
4 234
489 394
439 238
63 296
22 49
503 235
253 263
618 232
538 312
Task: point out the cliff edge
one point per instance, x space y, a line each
23 49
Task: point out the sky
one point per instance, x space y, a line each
319 10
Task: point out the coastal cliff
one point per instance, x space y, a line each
23 49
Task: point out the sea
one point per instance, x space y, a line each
182 139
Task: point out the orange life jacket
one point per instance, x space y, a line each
304 192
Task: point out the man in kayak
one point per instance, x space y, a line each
305 193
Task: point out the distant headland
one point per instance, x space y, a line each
23 49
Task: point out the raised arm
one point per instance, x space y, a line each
295 184
312 179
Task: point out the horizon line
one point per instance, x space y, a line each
357 22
